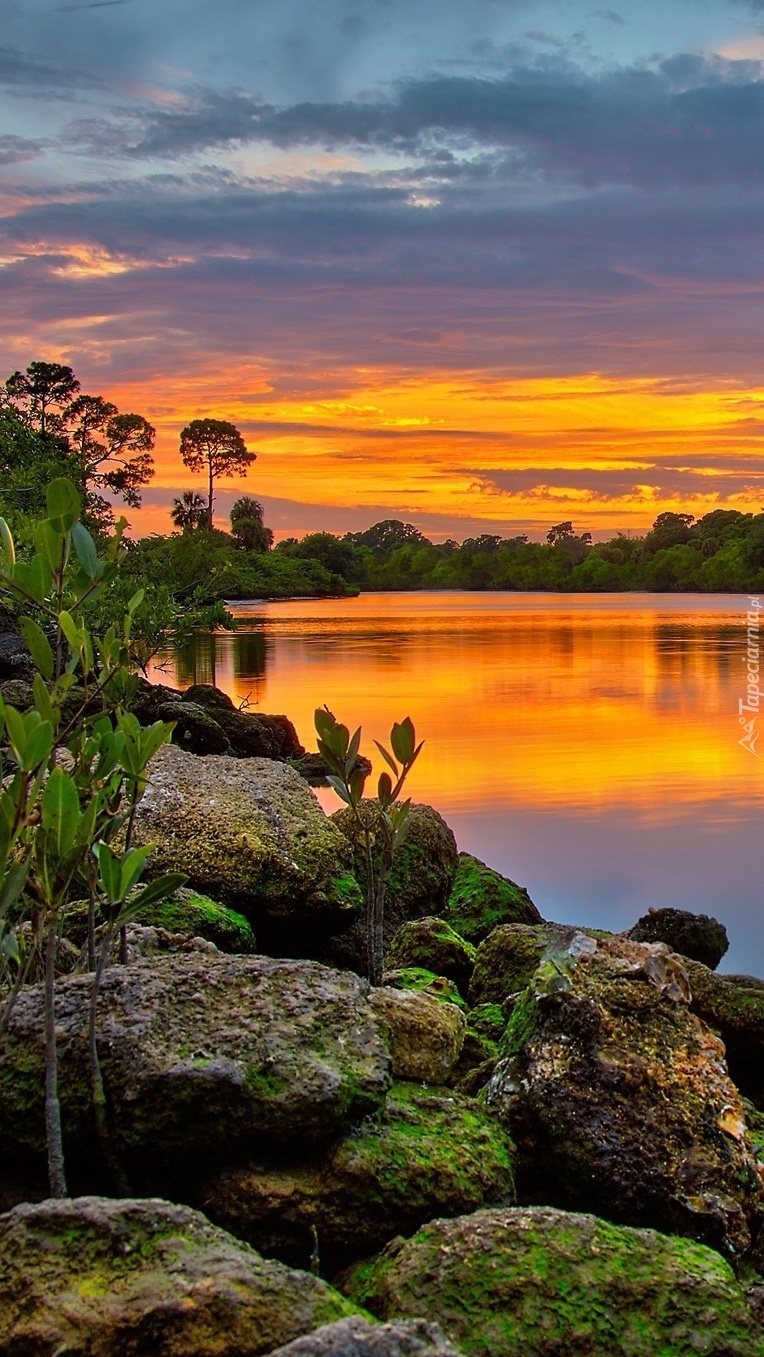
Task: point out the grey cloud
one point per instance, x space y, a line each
15 150
688 120
669 482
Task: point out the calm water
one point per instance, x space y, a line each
587 746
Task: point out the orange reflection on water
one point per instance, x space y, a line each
524 700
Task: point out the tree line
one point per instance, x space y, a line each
49 428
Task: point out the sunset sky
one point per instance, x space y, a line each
484 265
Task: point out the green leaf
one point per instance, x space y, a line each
155 891
152 739
403 740
353 747
109 871
87 555
13 884
64 504
50 544
61 811
136 601
133 864
39 646
42 701
385 789
9 946
340 789
323 721
70 630
7 547
39 746
388 760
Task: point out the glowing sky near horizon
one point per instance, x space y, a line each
484 266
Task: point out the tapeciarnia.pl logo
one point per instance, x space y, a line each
749 706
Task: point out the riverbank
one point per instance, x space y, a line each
544 1112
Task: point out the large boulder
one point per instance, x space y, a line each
697 936
426 1035
362 1338
733 1005
516 1282
620 1100
106 1278
431 944
481 899
203 1056
419 883
429 1153
251 833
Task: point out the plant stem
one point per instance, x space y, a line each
56 1173
98 1092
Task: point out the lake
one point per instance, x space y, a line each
588 746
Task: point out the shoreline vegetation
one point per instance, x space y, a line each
49 429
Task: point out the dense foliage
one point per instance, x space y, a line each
722 552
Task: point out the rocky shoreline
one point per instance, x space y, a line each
531 1139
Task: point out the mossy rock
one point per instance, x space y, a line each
481 899
432 944
488 1020
425 982
93 1275
522 1281
184 915
697 936
429 1153
734 1007
250 832
507 961
196 916
619 1100
203 1056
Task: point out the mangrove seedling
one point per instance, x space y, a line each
382 823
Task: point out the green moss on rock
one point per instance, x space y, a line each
431 943
196 916
515 1282
507 961
430 1152
91 1275
425 982
481 899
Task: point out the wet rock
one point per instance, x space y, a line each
208 722
429 1153
482 899
515 1282
361 1338
432 944
619 1098
203 1056
419 884
98 1276
692 935
249 833
426 1035
733 1006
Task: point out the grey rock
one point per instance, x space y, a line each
361 1338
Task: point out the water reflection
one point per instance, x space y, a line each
587 746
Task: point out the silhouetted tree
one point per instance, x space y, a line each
189 513
386 536
216 446
42 386
247 525
115 449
